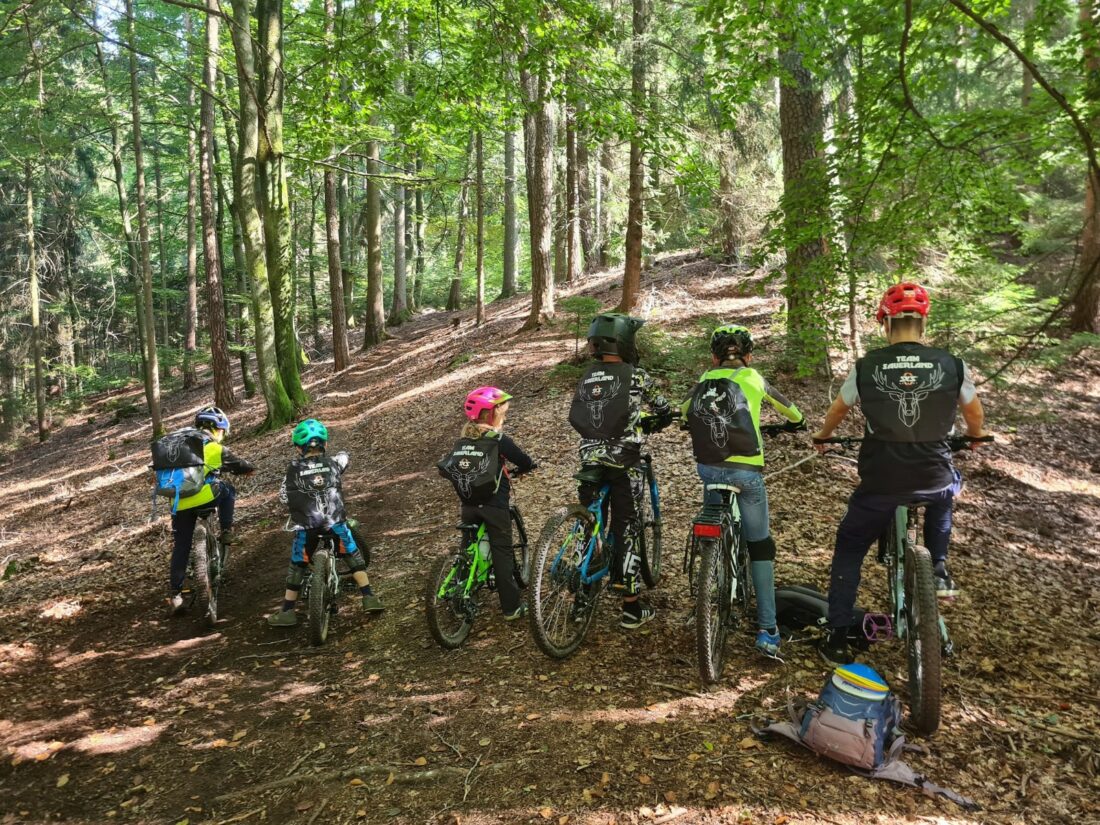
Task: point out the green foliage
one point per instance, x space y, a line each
676 360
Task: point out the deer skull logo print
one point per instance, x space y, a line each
597 396
466 471
709 410
909 392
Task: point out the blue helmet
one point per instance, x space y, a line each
212 418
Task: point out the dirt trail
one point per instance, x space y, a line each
113 713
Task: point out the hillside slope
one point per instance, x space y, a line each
113 713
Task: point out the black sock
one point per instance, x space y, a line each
287 605
634 608
365 590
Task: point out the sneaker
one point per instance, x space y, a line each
945 585
283 618
518 613
175 604
767 642
228 537
636 614
372 604
834 647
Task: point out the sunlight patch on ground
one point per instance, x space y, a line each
118 740
658 712
1047 480
293 692
15 733
377 720
14 655
64 609
179 648
453 696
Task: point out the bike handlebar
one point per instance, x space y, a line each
955 442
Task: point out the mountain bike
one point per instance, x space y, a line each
320 588
206 568
914 612
454 583
574 555
717 564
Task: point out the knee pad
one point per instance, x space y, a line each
294 575
355 562
763 550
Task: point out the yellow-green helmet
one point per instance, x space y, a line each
730 341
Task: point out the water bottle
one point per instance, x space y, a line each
483 548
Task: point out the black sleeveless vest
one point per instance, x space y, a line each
909 392
313 492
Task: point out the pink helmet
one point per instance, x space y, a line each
484 398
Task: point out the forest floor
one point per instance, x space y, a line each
113 713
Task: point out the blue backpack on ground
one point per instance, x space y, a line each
179 465
855 722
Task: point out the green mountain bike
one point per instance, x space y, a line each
452 592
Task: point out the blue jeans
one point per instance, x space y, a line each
753 503
868 516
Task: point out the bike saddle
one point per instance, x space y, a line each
730 487
917 505
467 526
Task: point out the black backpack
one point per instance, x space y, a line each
601 403
473 466
313 492
178 464
720 422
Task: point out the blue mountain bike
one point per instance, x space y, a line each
573 558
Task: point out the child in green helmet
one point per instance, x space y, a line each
311 489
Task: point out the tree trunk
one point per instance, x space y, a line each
603 198
274 203
280 409
311 249
347 247
374 321
454 297
654 207
400 307
190 340
410 238
729 228
36 321
421 230
584 196
479 187
152 375
573 254
508 287
632 265
804 204
538 135
224 396
162 270
561 224
1086 305
340 355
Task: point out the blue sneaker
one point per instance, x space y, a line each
767 642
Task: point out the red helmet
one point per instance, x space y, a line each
904 300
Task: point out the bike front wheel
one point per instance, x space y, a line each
205 597
712 595
320 597
520 550
650 538
448 622
559 605
922 617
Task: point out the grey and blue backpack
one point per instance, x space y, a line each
179 464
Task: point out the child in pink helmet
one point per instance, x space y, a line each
486 408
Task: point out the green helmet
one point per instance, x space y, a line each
730 341
310 430
613 334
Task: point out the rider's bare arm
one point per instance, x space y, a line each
974 416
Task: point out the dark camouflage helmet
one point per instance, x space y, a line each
612 333
730 341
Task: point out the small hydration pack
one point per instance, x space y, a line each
313 492
178 464
720 422
473 466
799 606
855 722
601 404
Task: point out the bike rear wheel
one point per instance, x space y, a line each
922 640
520 550
712 609
448 622
320 596
650 533
204 595
560 607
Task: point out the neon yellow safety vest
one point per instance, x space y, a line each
212 460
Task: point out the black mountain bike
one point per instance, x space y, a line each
209 559
914 610
716 560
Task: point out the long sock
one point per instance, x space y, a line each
763 582
287 605
634 608
365 590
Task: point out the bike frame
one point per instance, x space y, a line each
729 523
595 535
479 568
903 535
